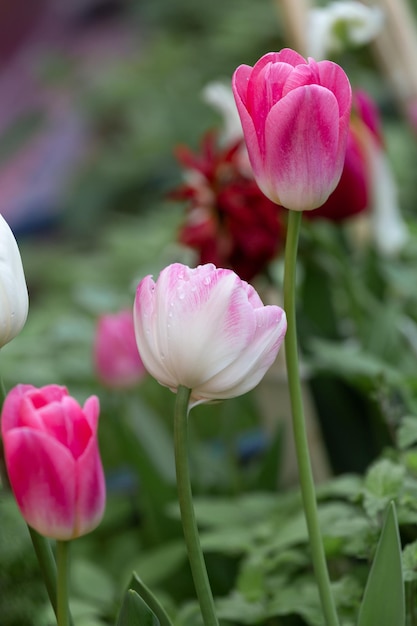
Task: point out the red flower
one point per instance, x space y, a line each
229 220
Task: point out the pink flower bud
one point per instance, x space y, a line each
295 119
53 461
116 355
207 330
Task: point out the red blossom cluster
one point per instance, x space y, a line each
229 221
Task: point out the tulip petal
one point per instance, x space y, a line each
91 411
251 364
90 489
303 179
335 80
240 86
42 473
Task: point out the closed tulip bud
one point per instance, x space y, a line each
116 355
53 461
13 291
207 330
295 118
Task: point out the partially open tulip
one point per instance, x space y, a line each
295 118
13 291
53 461
207 330
116 355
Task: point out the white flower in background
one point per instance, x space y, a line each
330 29
13 291
389 229
219 95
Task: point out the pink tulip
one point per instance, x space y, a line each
53 461
116 355
207 330
295 119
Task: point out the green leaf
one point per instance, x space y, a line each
383 482
136 584
410 562
407 432
383 602
135 612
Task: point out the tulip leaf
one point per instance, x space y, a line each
137 585
383 601
135 611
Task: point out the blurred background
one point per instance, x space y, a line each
105 155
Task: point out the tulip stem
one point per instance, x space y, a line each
185 497
299 425
62 559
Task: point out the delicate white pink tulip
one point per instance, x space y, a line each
207 330
295 119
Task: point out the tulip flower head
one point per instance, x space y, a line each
207 330
53 461
116 355
295 119
13 291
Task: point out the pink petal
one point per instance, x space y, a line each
90 489
91 410
303 159
335 80
11 407
251 364
42 473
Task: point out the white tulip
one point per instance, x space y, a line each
13 291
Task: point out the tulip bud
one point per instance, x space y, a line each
53 461
207 330
295 119
116 355
13 291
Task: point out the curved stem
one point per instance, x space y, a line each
185 497
299 426
62 559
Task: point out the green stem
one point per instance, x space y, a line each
185 497
47 564
62 559
299 426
